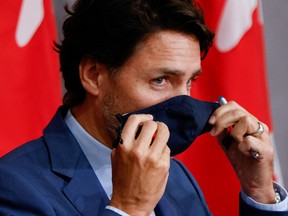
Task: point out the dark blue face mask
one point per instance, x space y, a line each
185 117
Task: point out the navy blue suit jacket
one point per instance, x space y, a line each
52 176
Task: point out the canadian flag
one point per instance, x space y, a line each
30 79
234 68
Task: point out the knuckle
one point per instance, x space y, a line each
248 139
233 103
137 154
158 163
242 147
237 137
249 122
132 117
153 160
165 167
150 123
235 113
138 117
247 119
162 126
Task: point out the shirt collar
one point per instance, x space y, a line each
97 154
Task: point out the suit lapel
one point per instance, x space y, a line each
83 188
85 191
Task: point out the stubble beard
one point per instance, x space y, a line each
111 107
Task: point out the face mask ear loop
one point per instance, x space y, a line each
119 132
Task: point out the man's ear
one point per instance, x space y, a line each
91 75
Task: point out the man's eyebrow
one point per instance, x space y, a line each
176 72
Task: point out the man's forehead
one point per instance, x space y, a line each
161 39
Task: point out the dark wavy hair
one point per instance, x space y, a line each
109 31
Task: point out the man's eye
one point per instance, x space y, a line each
159 80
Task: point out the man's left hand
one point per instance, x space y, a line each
255 173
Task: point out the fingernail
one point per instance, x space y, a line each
151 116
212 120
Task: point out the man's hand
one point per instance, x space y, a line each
255 174
140 166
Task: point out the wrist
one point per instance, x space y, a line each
281 206
264 196
130 209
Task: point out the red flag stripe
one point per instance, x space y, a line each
30 82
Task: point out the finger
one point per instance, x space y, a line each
261 131
146 135
222 110
252 144
246 125
156 141
131 127
160 141
227 120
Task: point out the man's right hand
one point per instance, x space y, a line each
140 167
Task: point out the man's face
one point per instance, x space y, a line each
163 66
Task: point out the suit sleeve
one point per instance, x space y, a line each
244 210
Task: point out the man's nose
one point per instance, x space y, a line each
182 90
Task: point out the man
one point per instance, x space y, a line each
118 57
